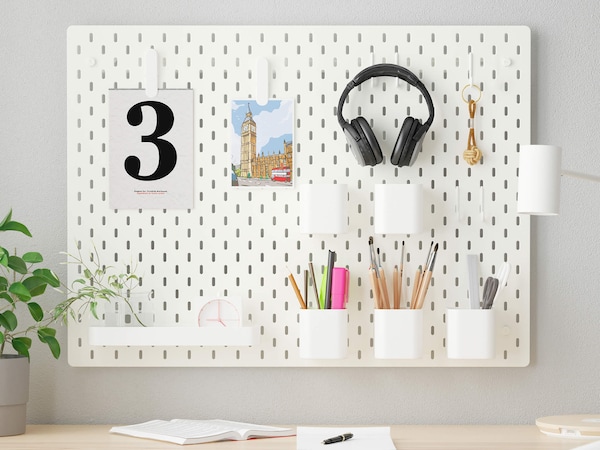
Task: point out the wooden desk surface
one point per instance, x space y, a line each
448 437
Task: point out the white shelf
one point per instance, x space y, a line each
174 336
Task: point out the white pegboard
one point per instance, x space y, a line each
239 242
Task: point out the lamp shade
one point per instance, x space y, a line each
539 180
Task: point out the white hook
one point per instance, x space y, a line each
470 69
481 203
372 63
397 61
151 73
457 204
262 81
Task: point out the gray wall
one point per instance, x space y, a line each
563 375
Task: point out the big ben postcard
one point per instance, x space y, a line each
262 143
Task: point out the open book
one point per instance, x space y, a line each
181 431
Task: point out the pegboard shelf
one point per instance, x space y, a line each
174 336
241 241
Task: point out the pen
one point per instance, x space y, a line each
330 264
340 438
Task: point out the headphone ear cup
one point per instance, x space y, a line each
371 146
400 141
405 145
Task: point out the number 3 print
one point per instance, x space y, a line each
167 155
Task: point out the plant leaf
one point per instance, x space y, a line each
1 338
22 345
4 256
46 331
35 285
46 335
8 320
6 296
3 284
36 311
14 226
20 291
93 309
33 257
6 218
17 264
48 276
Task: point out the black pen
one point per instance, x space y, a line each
340 438
330 264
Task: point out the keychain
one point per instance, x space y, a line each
472 154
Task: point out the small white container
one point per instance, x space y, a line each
323 333
324 208
398 208
470 333
398 333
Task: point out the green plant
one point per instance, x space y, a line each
22 281
98 283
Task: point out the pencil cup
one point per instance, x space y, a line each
323 333
323 208
470 333
398 208
398 333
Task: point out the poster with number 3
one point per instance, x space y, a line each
151 149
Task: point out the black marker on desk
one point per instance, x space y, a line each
340 438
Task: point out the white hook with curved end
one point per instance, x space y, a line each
471 69
262 81
397 61
457 203
481 203
373 81
502 278
151 73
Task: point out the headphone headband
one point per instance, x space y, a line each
388 70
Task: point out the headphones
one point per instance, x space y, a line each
359 135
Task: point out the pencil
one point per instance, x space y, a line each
314 283
375 287
401 274
396 287
306 287
426 278
417 282
423 289
384 289
297 291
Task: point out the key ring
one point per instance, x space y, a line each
472 154
474 86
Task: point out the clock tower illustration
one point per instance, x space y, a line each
248 150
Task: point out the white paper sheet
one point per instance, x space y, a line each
365 438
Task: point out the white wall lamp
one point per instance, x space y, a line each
539 179
539 194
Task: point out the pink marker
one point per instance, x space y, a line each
339 284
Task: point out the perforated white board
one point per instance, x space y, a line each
239 242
